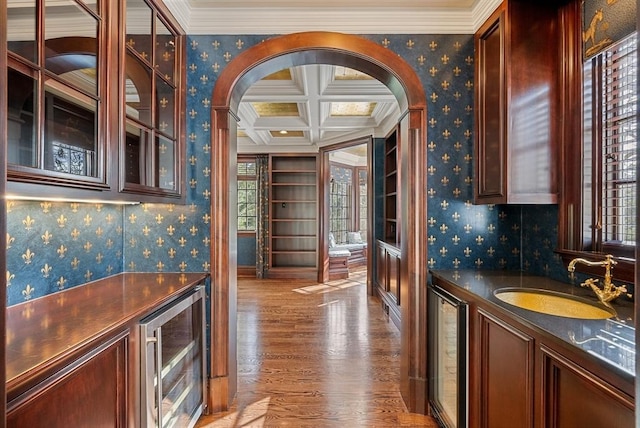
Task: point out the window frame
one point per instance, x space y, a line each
571 235
603 148
246 177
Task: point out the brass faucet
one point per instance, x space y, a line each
608 292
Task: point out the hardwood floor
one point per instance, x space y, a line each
315 355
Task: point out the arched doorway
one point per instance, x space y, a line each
384 65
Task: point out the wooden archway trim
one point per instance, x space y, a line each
237 77
316 48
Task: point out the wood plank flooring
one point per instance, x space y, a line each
315 355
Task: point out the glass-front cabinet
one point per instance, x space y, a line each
151 95
56 109
93 99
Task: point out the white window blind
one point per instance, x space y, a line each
610 138
619 139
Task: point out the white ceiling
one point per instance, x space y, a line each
345 16
311 93
313 89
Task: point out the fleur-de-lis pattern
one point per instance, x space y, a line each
75 243
60 246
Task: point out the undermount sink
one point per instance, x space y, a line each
553 303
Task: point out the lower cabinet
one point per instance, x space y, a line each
520 376
574 397
506 374
90 392
388 279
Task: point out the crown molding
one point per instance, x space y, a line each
352 20
181 11
482 10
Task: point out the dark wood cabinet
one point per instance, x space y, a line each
506 372
74 357
293 217
57 94
153 86
520 375
90 392
95 109
388 279
517 57
575 397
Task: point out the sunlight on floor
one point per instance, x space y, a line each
252 416
357 278
325 288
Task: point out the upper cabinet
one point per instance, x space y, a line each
94 100
56 107
150 143
517 57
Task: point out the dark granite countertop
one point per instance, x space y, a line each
610 340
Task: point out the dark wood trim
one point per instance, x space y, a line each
384 65
246 271
3 211
623 271
324 200
570 106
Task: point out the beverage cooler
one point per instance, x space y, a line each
173 363
448 354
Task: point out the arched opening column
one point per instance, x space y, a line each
247 68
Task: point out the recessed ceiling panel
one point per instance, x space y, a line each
276 109
344 73
279 75
352 109
286 134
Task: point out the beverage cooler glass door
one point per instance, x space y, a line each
448 343
173 363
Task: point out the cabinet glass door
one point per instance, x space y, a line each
55 102
448 358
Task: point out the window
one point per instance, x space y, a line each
247 196
362 195
609 150
340 210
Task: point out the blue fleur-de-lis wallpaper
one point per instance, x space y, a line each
53 246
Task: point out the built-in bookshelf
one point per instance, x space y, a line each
293 216
391 199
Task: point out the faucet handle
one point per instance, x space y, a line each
610 260
591 282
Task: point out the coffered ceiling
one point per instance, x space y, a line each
313 106
308 107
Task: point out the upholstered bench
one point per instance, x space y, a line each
355 247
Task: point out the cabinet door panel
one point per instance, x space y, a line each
90 393
381 264
506 375
491 108
393 265
576 398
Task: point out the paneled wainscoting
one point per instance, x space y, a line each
315 355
